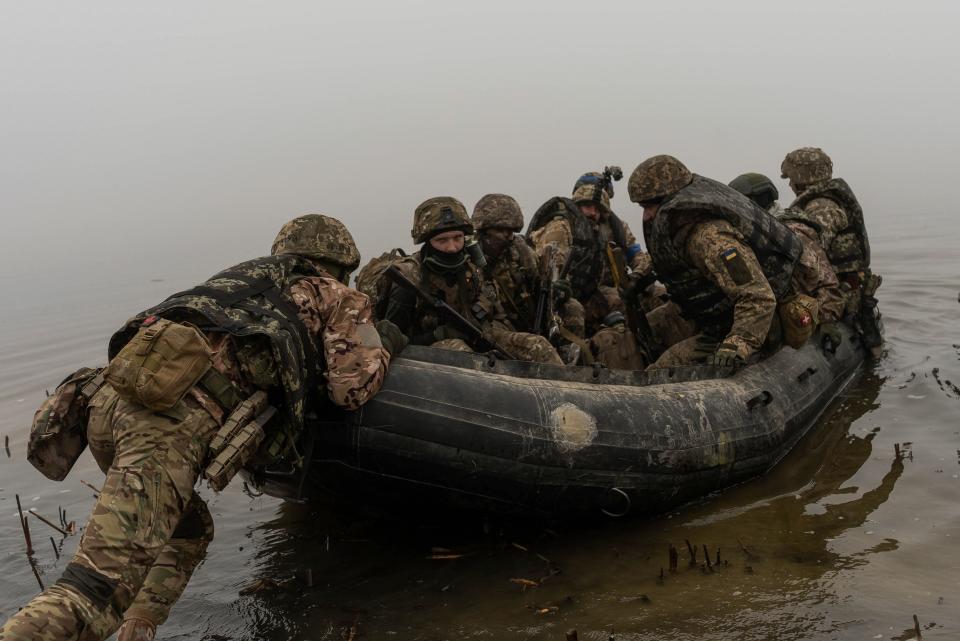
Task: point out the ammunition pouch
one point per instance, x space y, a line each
160 364
238 439
58 434
799 316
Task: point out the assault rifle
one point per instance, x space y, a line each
548 275
444 309
636 319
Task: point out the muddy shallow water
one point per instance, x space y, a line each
840 541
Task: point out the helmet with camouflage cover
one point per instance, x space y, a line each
497 210
657 177
807 166
439 214
589 188
319 237
757 188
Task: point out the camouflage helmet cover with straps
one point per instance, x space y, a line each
318 237
439 214
807 166
656 178
497 210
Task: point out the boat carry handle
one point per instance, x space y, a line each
629 504
805 374
763 398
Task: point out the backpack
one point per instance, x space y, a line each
370 280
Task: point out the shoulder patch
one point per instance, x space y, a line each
736 266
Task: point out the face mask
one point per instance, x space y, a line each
443 262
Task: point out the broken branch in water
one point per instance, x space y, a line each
56 552
693 552
24 527
35 573
916 626
61 531
96 492
674 558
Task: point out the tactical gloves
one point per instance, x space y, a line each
392 338
830 336
725 356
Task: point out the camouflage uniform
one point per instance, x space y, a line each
611 236
461 284
829 207
723 260
814 275
149 529
513 268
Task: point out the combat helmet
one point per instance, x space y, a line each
318 237
497 210
807 166
657 177
439 214
590 188
757 188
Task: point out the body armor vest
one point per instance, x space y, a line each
586 258
776 248
250 300
850 249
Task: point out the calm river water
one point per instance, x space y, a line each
839 541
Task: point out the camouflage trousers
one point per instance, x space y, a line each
148 530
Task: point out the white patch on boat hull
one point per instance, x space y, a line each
573 429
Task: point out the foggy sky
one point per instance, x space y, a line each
142 140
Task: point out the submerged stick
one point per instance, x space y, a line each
571 635
674 558
61 531
6 445
96 492
693 552
916 626
706 557
36 574
56 552
24 527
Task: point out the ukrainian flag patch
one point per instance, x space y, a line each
736 266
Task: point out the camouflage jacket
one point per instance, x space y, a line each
814 276
559 232
832 209
282 324
465 291
514 275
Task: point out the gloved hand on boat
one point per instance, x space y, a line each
392 338
830 336
725 356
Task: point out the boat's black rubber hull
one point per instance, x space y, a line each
510 437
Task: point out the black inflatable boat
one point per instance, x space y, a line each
455 429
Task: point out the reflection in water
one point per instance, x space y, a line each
340 572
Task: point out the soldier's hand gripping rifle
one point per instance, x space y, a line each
445 310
